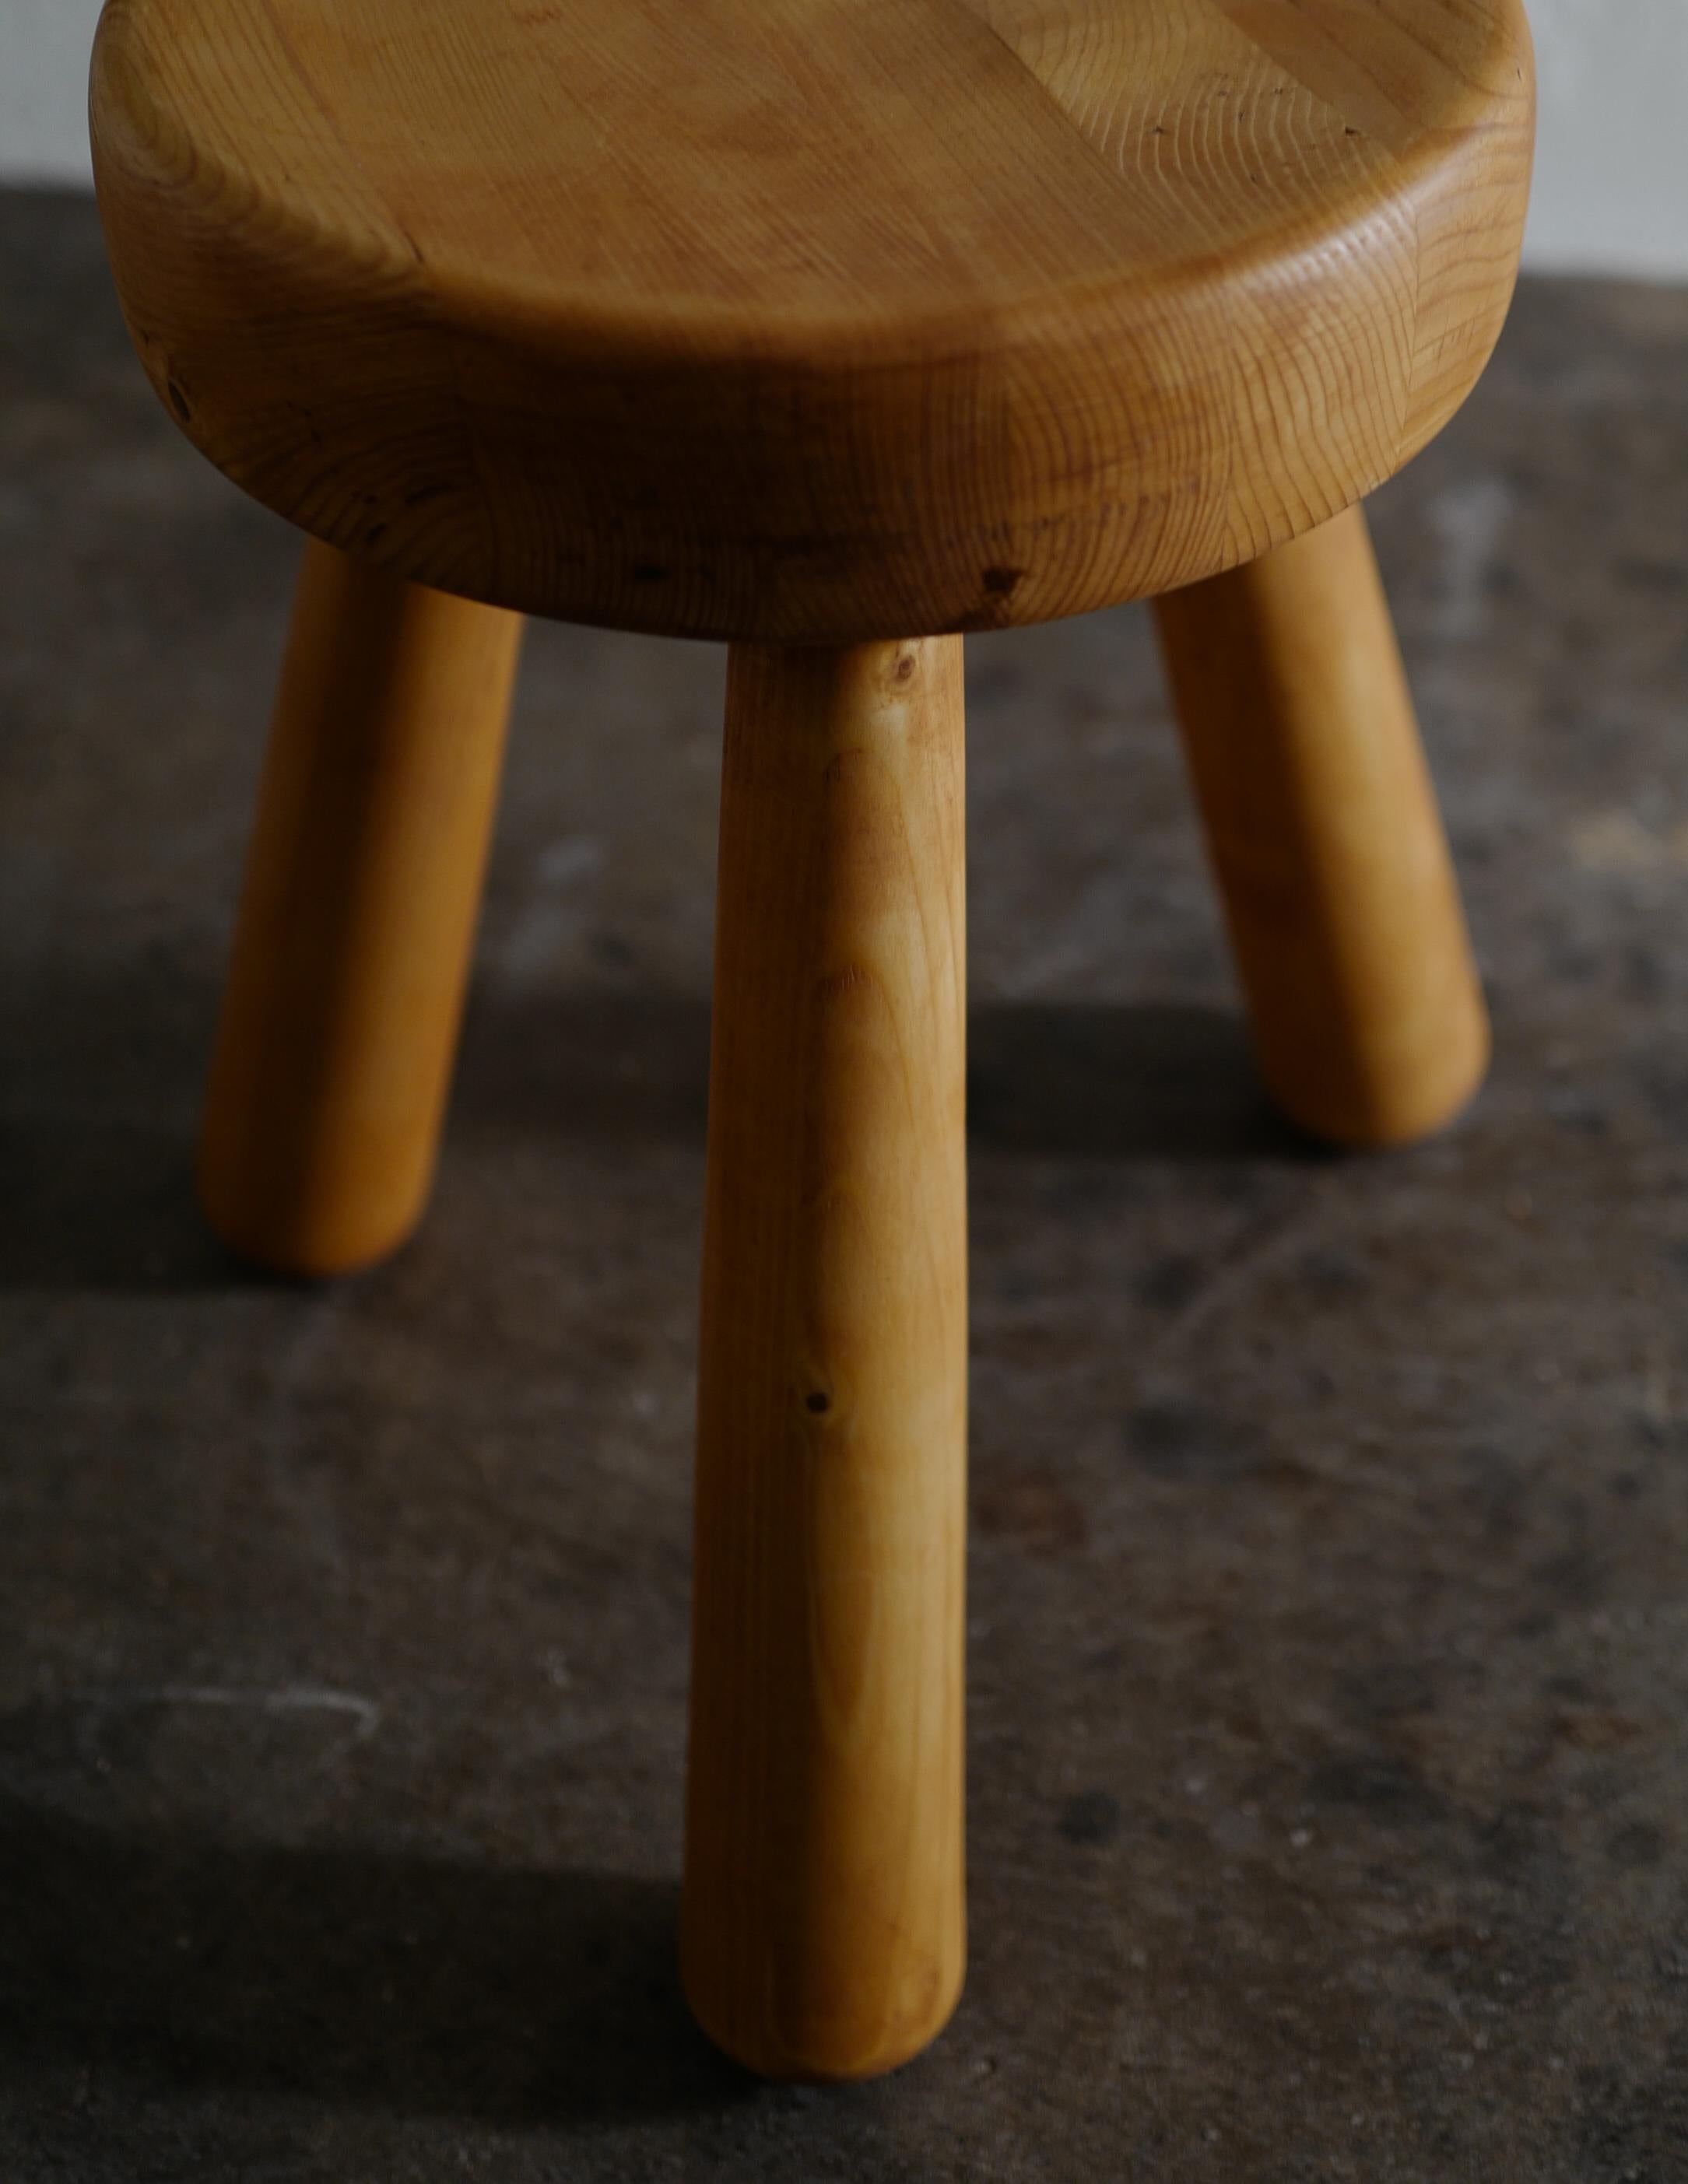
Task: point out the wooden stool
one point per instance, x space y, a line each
835 329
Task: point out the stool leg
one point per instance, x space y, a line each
1321 823
352 947
823 1926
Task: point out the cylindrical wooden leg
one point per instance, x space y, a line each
352 948
823 1926
1322 821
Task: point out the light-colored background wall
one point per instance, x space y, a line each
1612 174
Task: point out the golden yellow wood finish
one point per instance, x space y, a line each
813 324
822 1931
1322 821
352 949
812 320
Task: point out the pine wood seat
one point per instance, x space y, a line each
820 319
835 329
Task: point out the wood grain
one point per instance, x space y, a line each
351 955
823 1930
814 319
1322 822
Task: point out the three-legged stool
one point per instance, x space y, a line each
834 329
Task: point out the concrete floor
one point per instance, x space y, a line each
1330 1579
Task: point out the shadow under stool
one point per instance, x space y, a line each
833 329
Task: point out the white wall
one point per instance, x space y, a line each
1612 149
44 89
1611 171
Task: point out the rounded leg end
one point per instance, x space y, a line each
1398 1106
839 2047
290 1235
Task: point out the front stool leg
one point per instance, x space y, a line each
351 947
823 1925
1321 823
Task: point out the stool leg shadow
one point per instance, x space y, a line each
413 1985
1130 1082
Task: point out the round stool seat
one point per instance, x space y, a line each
812 320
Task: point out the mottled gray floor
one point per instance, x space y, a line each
1329 1580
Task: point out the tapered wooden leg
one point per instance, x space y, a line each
823 1928
1322 822
352 949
